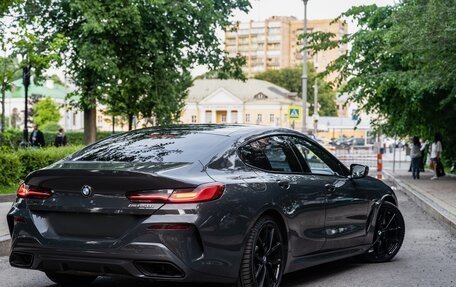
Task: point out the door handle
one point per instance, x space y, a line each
330 187
283 184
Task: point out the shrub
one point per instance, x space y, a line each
10 169
51 127
14 137
32 159
15 165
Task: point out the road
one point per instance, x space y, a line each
427 258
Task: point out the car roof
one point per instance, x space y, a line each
231 130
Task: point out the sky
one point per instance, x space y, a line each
316 9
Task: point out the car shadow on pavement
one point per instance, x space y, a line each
308 275
298 278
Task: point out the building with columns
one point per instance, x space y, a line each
236 102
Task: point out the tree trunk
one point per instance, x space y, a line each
90 125
3 108
130 122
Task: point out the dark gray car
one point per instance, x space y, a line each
201 203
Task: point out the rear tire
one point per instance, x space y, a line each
263 260
389 234
70 280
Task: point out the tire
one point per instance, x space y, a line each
263 260
70 280
389 234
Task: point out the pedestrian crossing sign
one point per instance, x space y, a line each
294 113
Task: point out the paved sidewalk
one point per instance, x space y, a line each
437 197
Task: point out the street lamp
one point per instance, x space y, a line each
304 73
315 114
26 83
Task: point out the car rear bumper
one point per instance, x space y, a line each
140 260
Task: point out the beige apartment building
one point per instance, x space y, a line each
275 44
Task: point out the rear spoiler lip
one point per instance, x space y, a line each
106 167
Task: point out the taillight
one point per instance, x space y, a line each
202 193
27 191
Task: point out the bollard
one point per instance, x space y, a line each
379 165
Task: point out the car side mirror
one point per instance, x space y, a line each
358 171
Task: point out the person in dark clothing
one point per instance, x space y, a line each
424 151
60 139
415 154
37 137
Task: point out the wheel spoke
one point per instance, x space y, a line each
271 274
261 244
259 271
274 249
271 239
263 277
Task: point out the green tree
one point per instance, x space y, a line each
9 71
135 56
291 79
46 111
402 67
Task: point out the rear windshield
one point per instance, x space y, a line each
153 146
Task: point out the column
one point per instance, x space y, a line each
228 117
214 117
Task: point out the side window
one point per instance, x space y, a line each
271 154
318 161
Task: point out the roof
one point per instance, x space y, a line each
245 91
55 92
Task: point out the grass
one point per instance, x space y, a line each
8 189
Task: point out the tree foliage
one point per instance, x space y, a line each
401 67
135 56
46 111
291 79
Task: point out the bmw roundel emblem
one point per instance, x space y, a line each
86 191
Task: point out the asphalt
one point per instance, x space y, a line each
436 197
427 258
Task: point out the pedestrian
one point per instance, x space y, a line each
60 138
415 155
424 152
436 152
36 137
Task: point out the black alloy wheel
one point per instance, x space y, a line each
389 234
264 256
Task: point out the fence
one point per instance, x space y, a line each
365 156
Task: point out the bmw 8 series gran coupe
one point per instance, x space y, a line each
200 203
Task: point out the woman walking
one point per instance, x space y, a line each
436 153
415 154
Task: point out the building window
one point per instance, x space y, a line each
75 118
234 117
271 118
247 118
193 119
223 118
100 120
259 118
260 96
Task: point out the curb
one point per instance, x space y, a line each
427 202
